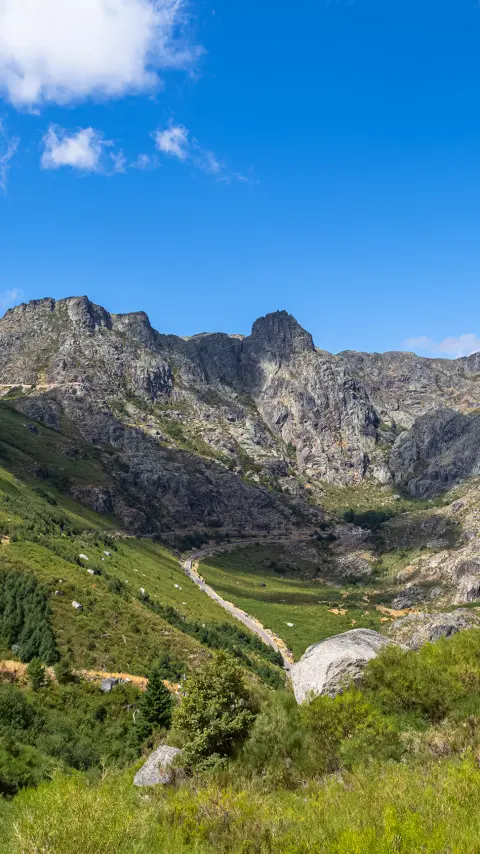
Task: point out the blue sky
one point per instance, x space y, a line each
211 161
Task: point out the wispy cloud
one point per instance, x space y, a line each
9 298
173 141
8 149
453 346
176 141
53 51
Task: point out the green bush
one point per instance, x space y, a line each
411 682
277 748
20 765
347 730
216 713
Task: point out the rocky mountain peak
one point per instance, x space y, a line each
280 333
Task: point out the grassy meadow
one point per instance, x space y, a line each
316 608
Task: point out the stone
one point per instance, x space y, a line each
77 606
330 666
106 685
416 629
157 770
83 557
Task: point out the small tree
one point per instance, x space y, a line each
64 672
155 705
36 674
216 713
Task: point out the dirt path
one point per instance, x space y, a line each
18 671
190 566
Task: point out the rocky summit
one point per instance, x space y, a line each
228 431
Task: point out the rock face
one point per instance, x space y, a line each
416 629
441 449
231 430
330 666
157 770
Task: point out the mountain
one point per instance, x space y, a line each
228 432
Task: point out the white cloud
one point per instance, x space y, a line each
82 150
143 161
453 346
8 149
173 141
177 141
119 161
64 50
10 297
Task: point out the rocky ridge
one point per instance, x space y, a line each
235 431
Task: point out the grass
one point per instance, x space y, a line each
237 577
383 809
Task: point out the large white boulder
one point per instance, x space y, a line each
157 770
329 666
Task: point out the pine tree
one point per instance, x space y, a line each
36 674
156 705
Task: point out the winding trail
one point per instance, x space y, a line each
190 566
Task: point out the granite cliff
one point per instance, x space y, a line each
230 431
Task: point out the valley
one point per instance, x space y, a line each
192 515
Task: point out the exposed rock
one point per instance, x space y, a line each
420 530
228 429
441 449
330 666
77 606
157 770
416 629
410 597
106 685
354 567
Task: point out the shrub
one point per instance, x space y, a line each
16 713
347 729
216 713
277 746
20 766
402 682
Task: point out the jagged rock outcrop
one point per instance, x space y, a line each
332 665
441 449
231 429
414 630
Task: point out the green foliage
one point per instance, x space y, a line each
72 726
216 712
16 713
25 617
64 672
227 637
410 682
348 730
383 809
156 705
20 766
277 747
36 674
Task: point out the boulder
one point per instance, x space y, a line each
157 770
107 685
331 665
416 629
